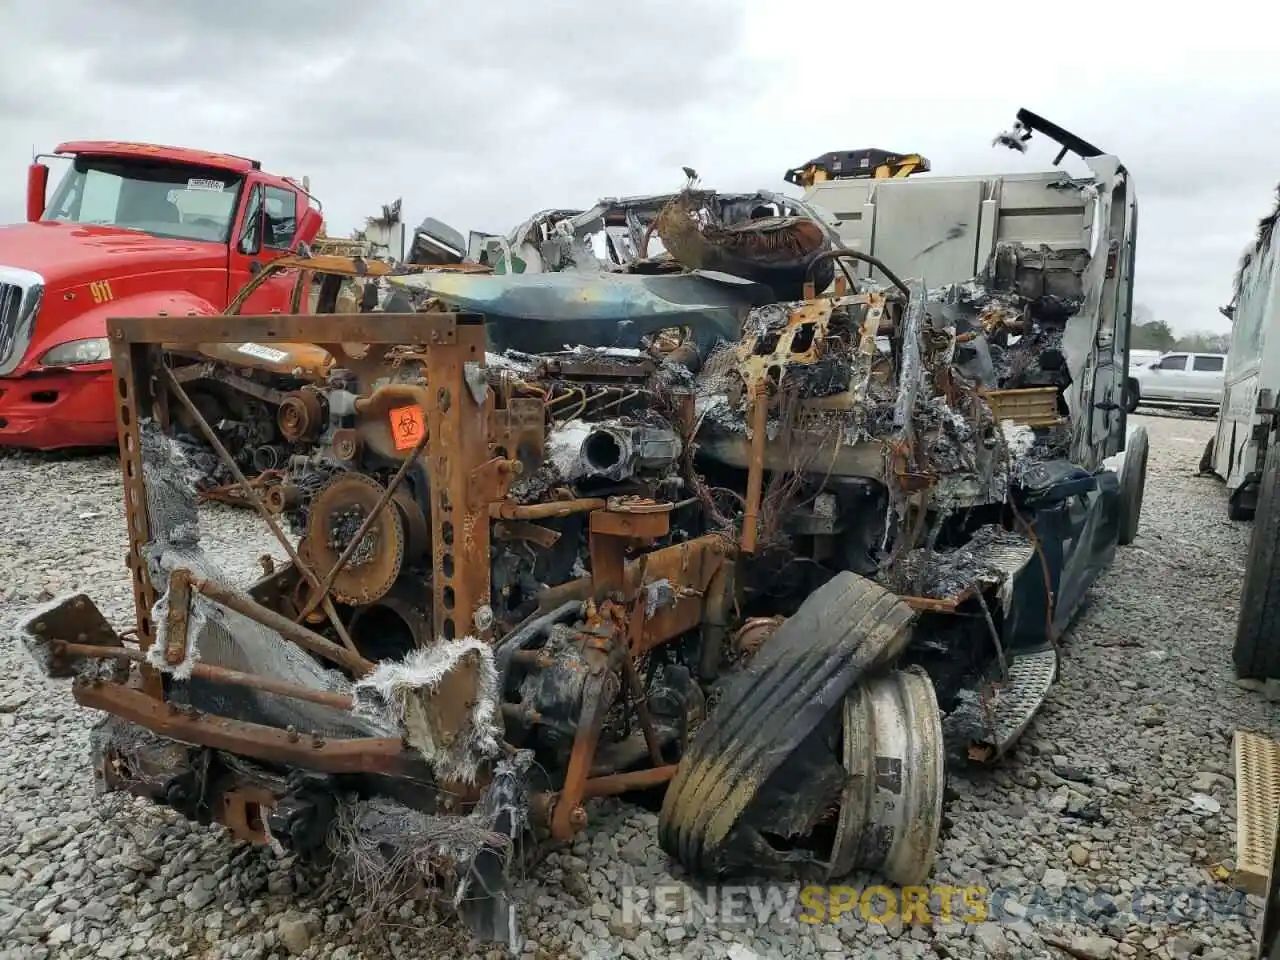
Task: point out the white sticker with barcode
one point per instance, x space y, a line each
197 183
263 353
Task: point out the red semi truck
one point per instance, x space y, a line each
132 229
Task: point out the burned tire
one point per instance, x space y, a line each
1133 481
793 694
1257 646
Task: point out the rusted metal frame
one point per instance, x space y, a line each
231 492
263 275
300 288
598 693
208 671
995 634
343 266
702 555
458 426
641 703
608 559
519 427
371 755
616 783
245 385
545 511
693 567
251 495
131 365
755 468
209 370
307 639
365 527
194 371
542 806
177 617
234 812
134 339
938 604
610 533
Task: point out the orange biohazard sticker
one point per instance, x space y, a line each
407 426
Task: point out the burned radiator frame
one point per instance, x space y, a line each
469 487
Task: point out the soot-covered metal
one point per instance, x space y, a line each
723 520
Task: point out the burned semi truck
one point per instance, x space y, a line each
719 505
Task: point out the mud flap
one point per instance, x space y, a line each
1091 551
1077 530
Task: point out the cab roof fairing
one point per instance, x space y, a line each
155 151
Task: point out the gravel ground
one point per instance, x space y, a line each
1097 799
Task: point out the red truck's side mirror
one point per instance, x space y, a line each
37 184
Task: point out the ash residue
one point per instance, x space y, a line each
1011 322
945 574
1027 447
344 528
969 722
205 462
659 594
827 377
769 319
1035 360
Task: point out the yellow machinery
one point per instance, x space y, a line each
867 164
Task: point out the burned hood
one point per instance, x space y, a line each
538 313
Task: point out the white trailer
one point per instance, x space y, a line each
1246 451
1239 446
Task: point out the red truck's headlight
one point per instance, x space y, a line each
76 352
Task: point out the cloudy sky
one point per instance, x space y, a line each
479 114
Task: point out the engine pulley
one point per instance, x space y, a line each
336 515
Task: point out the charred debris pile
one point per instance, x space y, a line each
537 534
618 315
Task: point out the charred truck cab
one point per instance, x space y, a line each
718 504
129 229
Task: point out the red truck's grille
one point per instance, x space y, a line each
10 308
20 294
10 300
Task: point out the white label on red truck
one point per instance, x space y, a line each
263 353
196 183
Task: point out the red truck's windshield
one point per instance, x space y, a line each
166 200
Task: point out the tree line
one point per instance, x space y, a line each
1156 335
1147 333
